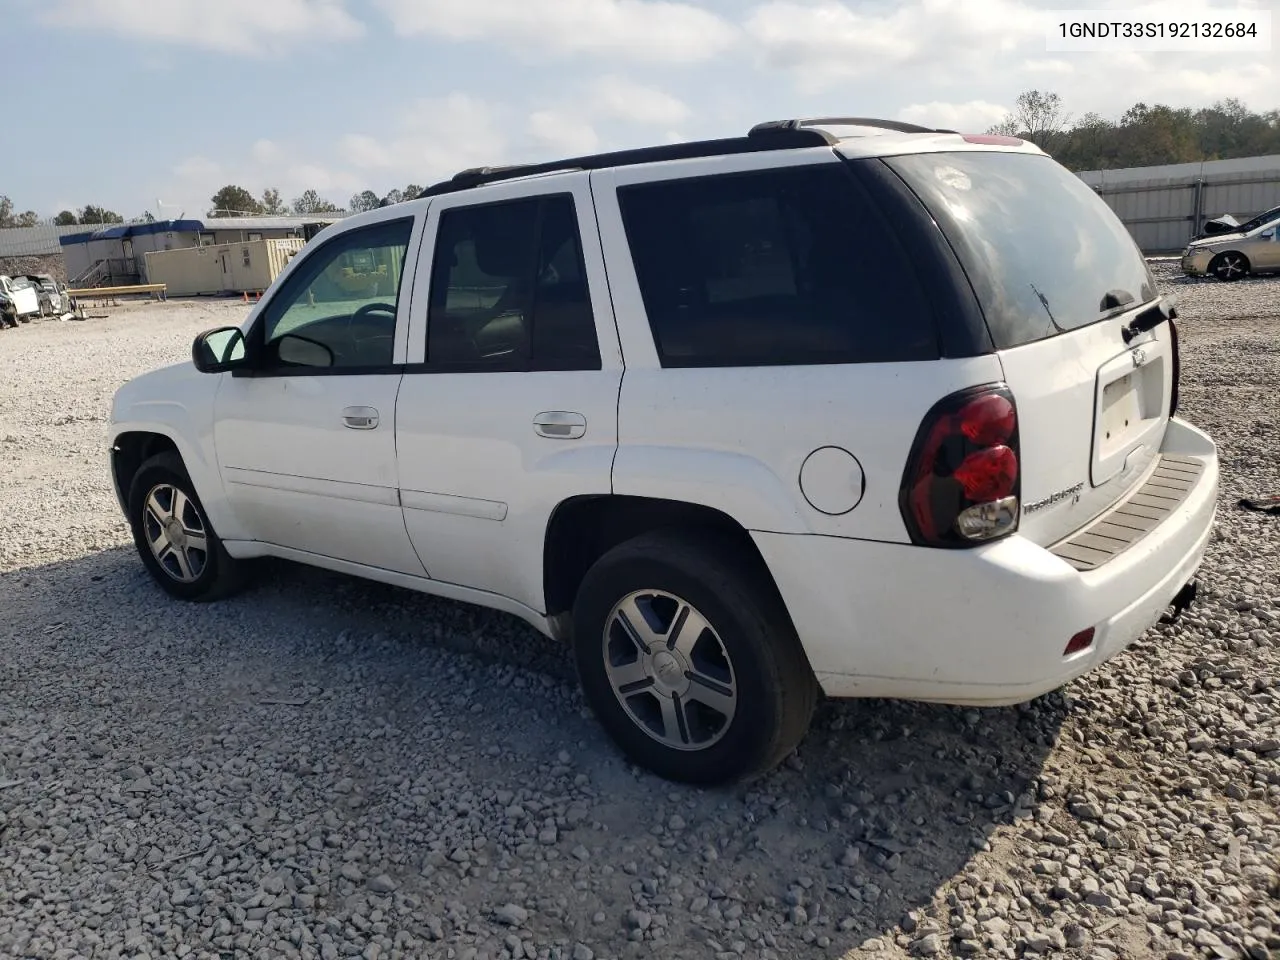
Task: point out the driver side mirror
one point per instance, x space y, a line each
216 351
1268 234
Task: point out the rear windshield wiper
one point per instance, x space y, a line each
1148 319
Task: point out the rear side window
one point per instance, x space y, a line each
509 288
785 266
1044 253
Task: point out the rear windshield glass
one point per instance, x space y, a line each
1045 254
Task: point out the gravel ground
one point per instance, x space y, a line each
324 767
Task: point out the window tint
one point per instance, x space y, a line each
509 288
343 297
789 266
1044 253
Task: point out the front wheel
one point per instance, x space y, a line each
688 657
173 536
1229 266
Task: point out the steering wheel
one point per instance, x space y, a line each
360 342
371 307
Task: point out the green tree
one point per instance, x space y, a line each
312 203
27 219
93 214
234 201
364 200
395 196
66 219
411 192
272 205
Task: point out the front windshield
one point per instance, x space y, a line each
1260 219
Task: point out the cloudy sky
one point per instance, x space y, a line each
125 103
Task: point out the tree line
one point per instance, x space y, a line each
1145 135
29 218
237 201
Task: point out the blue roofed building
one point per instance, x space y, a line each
116 253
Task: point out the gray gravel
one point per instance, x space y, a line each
323 767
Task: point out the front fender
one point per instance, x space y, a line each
188 424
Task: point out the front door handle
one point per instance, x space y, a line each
360 418
560 425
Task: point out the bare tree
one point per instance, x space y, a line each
1037 116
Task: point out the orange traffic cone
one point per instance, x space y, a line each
244 296
259 296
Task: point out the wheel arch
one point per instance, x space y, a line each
134 444
582 529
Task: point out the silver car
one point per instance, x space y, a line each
1253 248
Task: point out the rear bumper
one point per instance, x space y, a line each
986 626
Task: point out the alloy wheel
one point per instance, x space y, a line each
670 670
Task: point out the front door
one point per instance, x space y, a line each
306 438
509 402
1266 249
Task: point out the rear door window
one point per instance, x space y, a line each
784 266
509 288
1044 253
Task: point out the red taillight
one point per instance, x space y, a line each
961 485
988 420
988 474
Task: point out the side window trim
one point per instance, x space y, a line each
256 331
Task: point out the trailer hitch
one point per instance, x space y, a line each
1181 602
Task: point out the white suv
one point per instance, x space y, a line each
843 407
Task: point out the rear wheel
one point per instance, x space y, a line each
1229 266
690 661
173 536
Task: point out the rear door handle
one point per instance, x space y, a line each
560 425
360 418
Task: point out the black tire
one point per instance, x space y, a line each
220 574
769 671
1229 265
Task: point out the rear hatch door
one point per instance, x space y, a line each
1060 281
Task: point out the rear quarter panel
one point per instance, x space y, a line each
737 438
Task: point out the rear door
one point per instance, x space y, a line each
509 403
1059 279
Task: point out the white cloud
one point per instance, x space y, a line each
1048 66
229 26
643 30
434 138
266 152
562 133
198 169
827 43
973 116
614 97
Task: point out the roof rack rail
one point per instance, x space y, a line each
774 139
771 125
